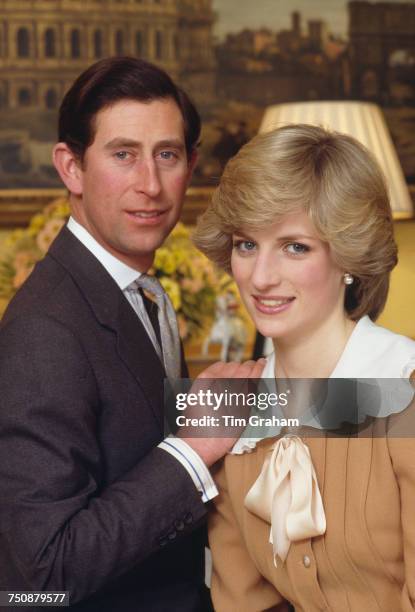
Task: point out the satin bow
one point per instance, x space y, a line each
287 496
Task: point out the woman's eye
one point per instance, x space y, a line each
296 248
244 246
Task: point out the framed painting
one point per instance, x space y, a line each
234 58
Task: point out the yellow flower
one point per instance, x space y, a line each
158 259
164 261
32 232
179 256
62 210
48 234
173 291
57 208
194 285
37 222
14 237
180 231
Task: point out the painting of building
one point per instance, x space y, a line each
384 68
295 53
372 58
45 44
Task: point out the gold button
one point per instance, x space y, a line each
306 561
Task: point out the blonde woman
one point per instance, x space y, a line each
302 221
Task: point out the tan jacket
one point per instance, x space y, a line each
366 559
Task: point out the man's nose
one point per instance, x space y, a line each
148 180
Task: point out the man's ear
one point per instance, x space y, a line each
191 164
68 167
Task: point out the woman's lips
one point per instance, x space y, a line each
272 305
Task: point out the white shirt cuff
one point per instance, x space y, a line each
193 464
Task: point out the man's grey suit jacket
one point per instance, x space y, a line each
88 503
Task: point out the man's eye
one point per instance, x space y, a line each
122 155
244 246
168 155
296 248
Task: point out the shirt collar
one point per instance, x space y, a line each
358 354
122 274
352 352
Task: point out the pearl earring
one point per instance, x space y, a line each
348 278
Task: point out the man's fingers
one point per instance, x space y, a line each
244 369
248 369
230 370
221 369
258 368
212 371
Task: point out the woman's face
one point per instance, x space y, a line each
287 278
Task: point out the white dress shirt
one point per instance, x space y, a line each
124 276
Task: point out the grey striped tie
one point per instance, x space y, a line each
169 331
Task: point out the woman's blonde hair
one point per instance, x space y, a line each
330 176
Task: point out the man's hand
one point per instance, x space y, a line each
213 447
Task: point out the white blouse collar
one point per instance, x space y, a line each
375 352
372 353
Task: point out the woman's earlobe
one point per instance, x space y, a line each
68 167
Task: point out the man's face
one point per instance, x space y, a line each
133 178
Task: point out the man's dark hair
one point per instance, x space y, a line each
109 81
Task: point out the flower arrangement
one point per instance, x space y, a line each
24 247
188 277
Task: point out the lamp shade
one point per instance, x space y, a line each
363 121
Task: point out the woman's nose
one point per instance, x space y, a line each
265 274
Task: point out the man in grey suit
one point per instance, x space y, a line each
94 500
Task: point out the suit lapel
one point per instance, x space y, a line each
113 311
